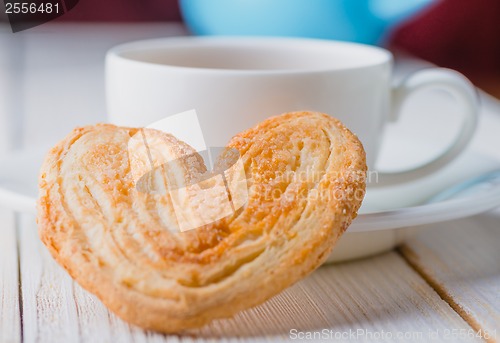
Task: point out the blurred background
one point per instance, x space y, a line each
55 70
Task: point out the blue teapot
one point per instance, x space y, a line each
362 21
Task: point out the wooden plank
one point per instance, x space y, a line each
55 309
380 296
10 318
49 312
461 260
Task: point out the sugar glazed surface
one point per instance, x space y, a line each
301 186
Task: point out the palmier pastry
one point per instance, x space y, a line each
135 217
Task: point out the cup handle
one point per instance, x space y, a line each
463 91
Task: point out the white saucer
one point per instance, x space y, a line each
383 210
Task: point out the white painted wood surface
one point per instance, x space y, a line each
461 260
379 295
10 318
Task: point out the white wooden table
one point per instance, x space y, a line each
443 285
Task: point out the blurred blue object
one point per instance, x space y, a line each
362 21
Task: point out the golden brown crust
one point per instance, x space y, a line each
306 182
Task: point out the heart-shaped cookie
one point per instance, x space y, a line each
304 180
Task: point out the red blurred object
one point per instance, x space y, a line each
124 11
459 34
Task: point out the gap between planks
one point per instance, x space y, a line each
405 251
460 260
19 276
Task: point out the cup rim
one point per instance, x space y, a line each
119 53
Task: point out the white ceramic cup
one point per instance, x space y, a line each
234 83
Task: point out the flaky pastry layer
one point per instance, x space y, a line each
304 181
